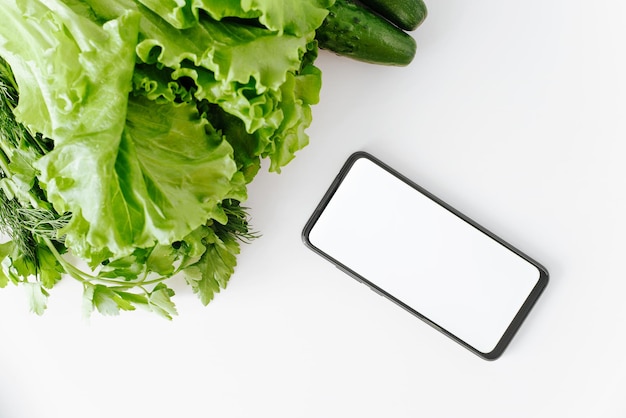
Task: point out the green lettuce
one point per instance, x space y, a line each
159 113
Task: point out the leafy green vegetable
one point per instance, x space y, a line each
139 125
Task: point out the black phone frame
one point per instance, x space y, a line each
518 319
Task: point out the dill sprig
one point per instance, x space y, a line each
43 222
12 132
11 226
20 221
238 226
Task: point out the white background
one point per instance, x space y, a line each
514 113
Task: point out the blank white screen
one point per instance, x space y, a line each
424 255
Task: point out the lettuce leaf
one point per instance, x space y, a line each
293 17
164 178
74 75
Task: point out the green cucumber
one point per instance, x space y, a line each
357 32
406 14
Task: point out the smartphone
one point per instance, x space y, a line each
417 251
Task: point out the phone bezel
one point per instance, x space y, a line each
518 318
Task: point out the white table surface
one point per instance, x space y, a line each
514 113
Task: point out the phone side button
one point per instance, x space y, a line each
378 292
349 273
